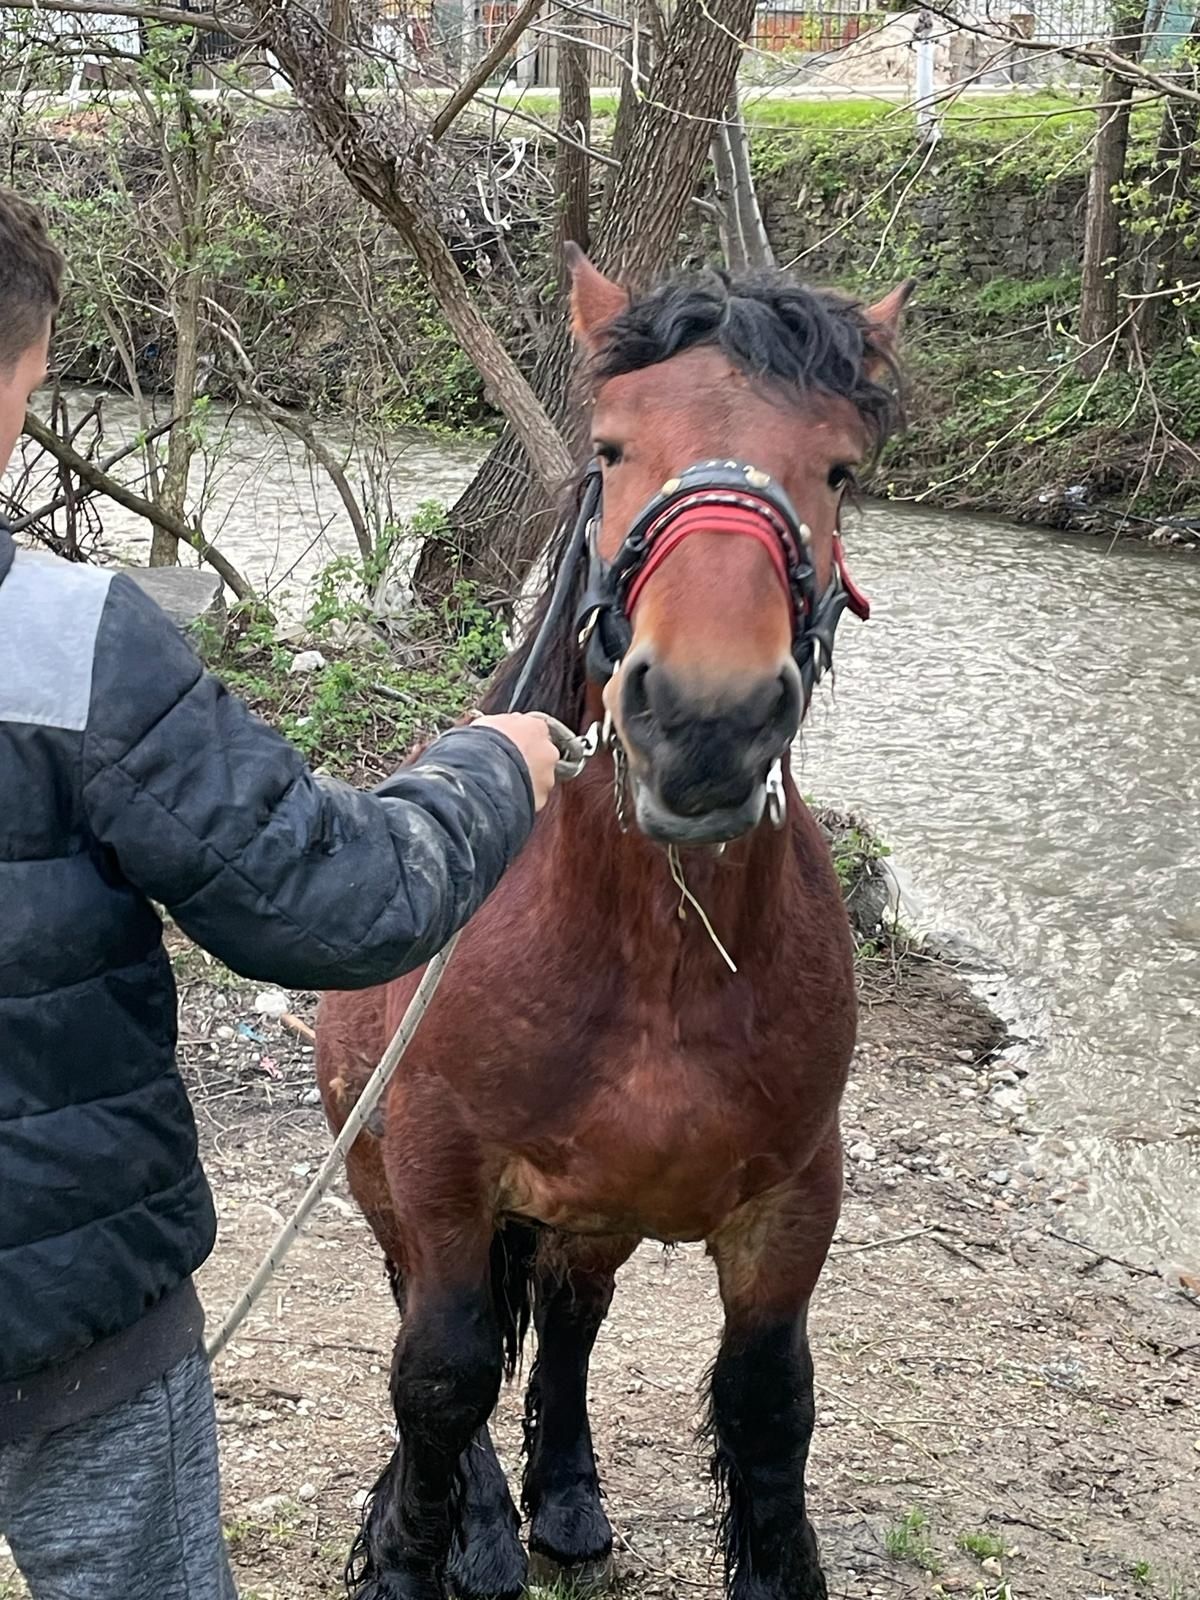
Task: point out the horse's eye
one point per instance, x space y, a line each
610 454
841 477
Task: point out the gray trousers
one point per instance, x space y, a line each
126 1505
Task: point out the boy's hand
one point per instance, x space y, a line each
538 750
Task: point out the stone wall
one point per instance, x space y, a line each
976 234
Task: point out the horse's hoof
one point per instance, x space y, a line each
490 1569
587 1578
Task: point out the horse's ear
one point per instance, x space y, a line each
595 299
885 318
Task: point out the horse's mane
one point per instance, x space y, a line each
796 340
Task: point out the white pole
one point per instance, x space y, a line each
928 126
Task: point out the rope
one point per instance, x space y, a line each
353 1126
575 752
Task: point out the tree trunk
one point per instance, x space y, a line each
389 169
688 94
190 166
743 236
503 518
1171 183
1099 303
572 169
646 42
186 294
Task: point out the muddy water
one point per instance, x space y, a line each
277 519
1021 719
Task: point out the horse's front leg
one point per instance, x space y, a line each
445 1379
769 1256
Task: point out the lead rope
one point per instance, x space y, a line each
576 752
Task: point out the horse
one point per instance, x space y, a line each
646 1030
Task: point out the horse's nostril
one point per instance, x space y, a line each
786 714
635 689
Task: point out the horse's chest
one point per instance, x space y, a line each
668 1141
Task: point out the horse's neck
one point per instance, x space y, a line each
621 887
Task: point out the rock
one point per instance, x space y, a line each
999 1176
307 661
306 1492
311 1097
270 1506
272 1003
863 1153
992 1567
360 1499
1012 1102
872 901
193 598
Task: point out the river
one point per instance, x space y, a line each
1021 721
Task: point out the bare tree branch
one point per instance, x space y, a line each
475 80
201 21
102 483
1098 56
28 518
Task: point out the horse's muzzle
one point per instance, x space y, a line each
700 761
713 827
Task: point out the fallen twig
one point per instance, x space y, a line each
297 1025
1183 1290
880 1244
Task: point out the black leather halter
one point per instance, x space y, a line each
738 491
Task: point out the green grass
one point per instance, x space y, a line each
908 1540
981 1544
1048 119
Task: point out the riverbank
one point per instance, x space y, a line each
1001 416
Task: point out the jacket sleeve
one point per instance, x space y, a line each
287 878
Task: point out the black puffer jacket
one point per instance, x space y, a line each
128 775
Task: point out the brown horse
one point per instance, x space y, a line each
592 1072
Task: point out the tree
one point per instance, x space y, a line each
744 239
1170 192
1099 298
663 132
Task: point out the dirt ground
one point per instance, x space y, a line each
1000 1413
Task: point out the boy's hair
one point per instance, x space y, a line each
31 271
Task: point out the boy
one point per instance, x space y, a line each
128 775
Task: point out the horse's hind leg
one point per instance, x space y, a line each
769 1257
569 1533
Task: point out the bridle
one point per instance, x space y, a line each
727 497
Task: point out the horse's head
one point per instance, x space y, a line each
723 407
